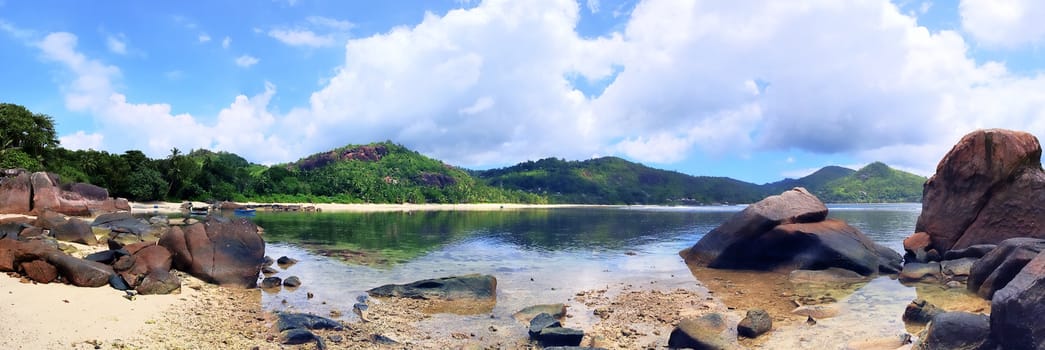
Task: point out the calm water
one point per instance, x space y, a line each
537 255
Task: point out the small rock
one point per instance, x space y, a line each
380 339
292 282
559 336
268 261
336 338
296 336
269 271
755 324
705 332
271 282
916 272
286 262
810 320
557 311
920 311
540 322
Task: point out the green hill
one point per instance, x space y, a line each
612 180
814 182
388 173
874 183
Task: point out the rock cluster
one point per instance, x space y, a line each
227 252
34 193
790 231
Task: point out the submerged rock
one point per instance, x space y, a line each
467 287
828 276
271 282
819 311
788 232
557 311
292 282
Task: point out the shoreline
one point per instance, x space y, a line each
174 208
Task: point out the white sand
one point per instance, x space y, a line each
53 316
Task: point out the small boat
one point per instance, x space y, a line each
198 211
245 211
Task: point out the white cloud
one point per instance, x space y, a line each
82 140
116 43
1004 23
301 37
226 42
335 24
924 7
203 37
242 127
246 61
488 85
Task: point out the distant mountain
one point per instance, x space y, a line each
814 182
611 180
873 183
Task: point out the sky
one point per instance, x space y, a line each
754 90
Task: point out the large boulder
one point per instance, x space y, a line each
1017 308
148 269
985 190
958 330
791 207
222 251
76 231
789 232
467 287
997 268
15 193
80 272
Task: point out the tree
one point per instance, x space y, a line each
20 129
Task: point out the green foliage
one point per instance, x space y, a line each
612 180
15 158
22 130
874 183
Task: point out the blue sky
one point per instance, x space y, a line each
755 90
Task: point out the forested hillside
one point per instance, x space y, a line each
390 173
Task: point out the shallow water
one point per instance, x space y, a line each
548 255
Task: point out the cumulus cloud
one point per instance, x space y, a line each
246 61
226 42
82 140
491 85
301 37
1004 23
242 127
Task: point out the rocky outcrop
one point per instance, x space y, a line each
1016 309
788 232
78 272
986 189
149 270
222 251
15 193
467 287
1001 265
33 194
